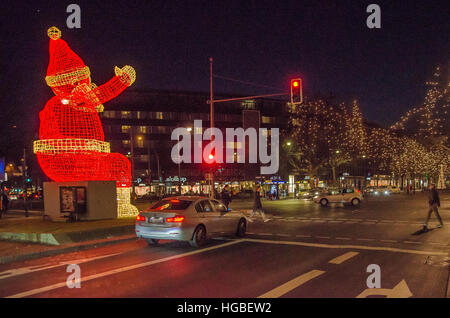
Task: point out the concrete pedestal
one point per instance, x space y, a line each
101 199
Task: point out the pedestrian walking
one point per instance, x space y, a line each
4 203
257 206
434 203
226 196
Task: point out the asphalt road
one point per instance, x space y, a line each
304 251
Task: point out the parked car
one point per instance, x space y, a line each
345 196
188 218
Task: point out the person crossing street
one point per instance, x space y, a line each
434 203
257 206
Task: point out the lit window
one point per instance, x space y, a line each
126 129
126 114
248 104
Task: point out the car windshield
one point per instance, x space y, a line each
171 204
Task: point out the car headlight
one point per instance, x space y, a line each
376 192
386 192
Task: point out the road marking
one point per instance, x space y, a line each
341 259
31 269
323 237
335 221
343 238
292 284
389 241
121 269
359 247
283 235
401 290
299 235
365 239
266 234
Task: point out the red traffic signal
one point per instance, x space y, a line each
296 91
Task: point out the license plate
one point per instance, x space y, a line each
156 220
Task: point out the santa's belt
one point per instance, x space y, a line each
73 145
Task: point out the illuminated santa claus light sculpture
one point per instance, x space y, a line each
72 145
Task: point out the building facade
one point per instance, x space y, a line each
139 125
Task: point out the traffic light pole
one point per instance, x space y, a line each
211 103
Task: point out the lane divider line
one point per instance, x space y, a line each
292 284
358 247
344 257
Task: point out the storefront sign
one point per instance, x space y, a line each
176 179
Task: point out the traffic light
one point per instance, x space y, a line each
296 91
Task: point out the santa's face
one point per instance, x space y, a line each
67 89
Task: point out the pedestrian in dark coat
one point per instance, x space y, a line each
226 196
257 206
4 203
434 203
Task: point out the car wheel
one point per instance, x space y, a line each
324 202
355 202
152 241
199 237
242 228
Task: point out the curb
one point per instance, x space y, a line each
68 237
68 249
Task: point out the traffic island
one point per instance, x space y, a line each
58 233
23 239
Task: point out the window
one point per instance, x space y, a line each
126 114
248 104
219 206
159 115
204 206
126 129
173 204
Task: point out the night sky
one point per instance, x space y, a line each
169 42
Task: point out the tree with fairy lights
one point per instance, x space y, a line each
429 125
323 135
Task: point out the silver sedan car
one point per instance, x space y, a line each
188 218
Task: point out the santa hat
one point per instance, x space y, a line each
65 66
